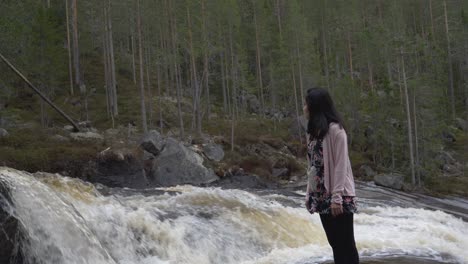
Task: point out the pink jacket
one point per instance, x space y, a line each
338 175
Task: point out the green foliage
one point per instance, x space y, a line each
317 40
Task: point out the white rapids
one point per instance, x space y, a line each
68 221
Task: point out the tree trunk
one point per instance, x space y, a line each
325 56
233 89
113 87
350 56
399 85
148 83
408 116
70 67
158 75
76 52
142 82
197 90
449 58
259 61
206 73
278 16
223 83
177 75
432 20
416 147
47 100
295 102
273 92
106 65
133 57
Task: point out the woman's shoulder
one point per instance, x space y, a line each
335 127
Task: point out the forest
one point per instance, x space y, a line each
398 71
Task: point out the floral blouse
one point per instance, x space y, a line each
320 201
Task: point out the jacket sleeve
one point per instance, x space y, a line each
340 156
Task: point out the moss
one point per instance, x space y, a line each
34 150
447 185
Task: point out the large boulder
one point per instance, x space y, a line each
366 172
177 164
117 168
152 142
213 151
280 173
392 180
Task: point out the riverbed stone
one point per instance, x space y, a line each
391 180
177 164
213 151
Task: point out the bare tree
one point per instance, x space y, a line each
408 117
259 60
206 72
70 68
177 75
196 85
142 81
449 58
76 51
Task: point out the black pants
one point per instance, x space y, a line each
340 235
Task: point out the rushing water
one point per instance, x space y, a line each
69 221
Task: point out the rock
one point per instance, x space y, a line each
86 136
452 169
153 142
86 124
254 104
448 136
461 124
90 129
69 128
394 123
200 139
281 173
111 132
10 228
117 168
3 133
177 164
366 171
242 181
393 180
60 138
213 151
444 157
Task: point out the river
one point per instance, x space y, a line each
69 221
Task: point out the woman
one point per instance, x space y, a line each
330 189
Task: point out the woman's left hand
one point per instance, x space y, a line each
336 209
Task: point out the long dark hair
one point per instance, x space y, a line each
322 112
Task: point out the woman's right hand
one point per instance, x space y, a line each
307 204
